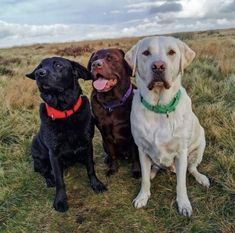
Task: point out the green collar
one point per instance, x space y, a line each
163 109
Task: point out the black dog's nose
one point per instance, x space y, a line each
158 66
97 64
41 72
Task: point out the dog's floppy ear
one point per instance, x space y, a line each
80 71
187 55
126 65
32 74
89 62
131 57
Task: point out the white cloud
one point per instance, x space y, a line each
203 8
144 4
25 30
115 12
136 10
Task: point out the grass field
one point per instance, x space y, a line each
25 202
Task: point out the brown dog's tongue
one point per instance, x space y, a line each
100 84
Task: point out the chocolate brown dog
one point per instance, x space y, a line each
111 101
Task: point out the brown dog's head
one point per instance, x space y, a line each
108 67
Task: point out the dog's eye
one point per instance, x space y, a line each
109 57
171 52
57 65
146 53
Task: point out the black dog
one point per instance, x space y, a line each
66 130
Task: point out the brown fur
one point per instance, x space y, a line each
114 125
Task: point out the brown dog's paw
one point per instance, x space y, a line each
113 168
110 172
136 174
135 169
107 160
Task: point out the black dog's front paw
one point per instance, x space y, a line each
60 203
98 186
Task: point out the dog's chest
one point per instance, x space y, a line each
114 125
67 136
158 136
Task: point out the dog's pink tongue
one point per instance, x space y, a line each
100 84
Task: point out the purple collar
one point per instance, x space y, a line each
116 103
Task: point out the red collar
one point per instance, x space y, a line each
56 114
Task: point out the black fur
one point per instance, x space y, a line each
62 142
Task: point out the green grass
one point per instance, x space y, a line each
25 202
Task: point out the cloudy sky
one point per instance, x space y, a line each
39 21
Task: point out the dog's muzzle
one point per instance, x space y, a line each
158 81
158 68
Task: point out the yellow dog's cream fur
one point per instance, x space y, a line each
165 141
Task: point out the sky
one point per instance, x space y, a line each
25 22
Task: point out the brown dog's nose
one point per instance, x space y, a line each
97 64
158 66
41 72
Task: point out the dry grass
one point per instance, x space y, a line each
220 50
26 204
75 50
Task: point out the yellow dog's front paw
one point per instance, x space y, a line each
141 200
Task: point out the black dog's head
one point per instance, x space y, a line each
57 80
